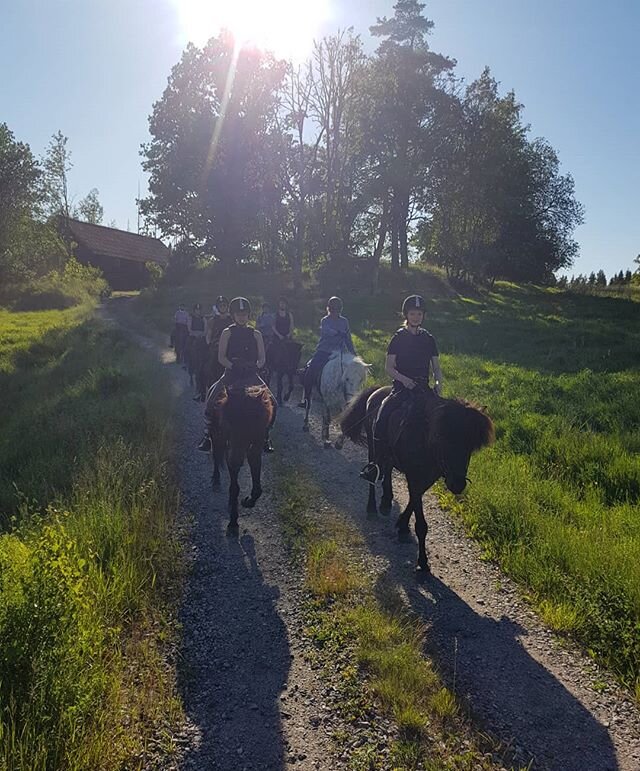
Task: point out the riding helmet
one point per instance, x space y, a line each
239 304
335 303
221 300
413 303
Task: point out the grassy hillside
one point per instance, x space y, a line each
556 500
85 507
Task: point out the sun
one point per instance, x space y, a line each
285 27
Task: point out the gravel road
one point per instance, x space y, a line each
254 701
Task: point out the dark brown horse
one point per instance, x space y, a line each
434 439
241 420
283 359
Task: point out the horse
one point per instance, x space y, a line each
435 439
342 378
242 418
283 358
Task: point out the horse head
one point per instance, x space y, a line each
455 430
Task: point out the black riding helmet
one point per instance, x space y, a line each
239 304
413 303
335 303
221 300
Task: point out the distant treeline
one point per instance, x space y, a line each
352 156
599 280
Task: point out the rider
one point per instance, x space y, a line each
180 331
412 352
219 320
264 324
241 353
283 324
334 334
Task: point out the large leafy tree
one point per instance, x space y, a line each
210 174
406 126
502 208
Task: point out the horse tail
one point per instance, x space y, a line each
353 418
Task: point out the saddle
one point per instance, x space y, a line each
410 409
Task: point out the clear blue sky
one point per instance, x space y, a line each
93 68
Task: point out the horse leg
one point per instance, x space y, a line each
234 464
339 441
291 376
372 507
415 498
280 385
254 457
307 409
387 491
217 454
402 524
326 422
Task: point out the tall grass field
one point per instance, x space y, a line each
86 502
555 502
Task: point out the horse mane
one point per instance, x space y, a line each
454 420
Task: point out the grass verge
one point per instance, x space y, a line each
87 555
373 647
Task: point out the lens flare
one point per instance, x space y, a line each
285 27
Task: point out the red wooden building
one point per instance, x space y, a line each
121 256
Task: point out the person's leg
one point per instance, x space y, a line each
374 472
209 408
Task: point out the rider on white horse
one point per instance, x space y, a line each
335 334
411 355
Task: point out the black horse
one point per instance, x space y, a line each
241 422
283 359
431 439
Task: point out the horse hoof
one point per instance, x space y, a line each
327 444
248 502
339 444
422 571
233 531
404 536
305 428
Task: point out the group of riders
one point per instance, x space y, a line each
222 350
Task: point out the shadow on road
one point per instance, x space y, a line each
513 695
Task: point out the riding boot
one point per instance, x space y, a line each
373 472
205 444
307 386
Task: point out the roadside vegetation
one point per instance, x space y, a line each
86 549
556 501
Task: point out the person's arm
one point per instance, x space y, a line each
326 330
189 324
390 369
437 375
291 325
222 349
349 340
261 355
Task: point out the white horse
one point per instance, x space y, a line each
342 379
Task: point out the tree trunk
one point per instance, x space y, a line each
377 252
403 216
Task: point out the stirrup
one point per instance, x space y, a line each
371 473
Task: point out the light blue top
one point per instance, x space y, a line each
334 333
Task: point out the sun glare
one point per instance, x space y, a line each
286 27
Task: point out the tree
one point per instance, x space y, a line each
57 165
601 278
502 209
410 109
211 135
89 208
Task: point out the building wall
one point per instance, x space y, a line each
121 274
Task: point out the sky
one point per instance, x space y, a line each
94 68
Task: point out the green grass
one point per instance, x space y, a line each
556 501
86 504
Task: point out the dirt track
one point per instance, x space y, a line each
254 702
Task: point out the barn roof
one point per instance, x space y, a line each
122 244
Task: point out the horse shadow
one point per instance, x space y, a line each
511 695
235 657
